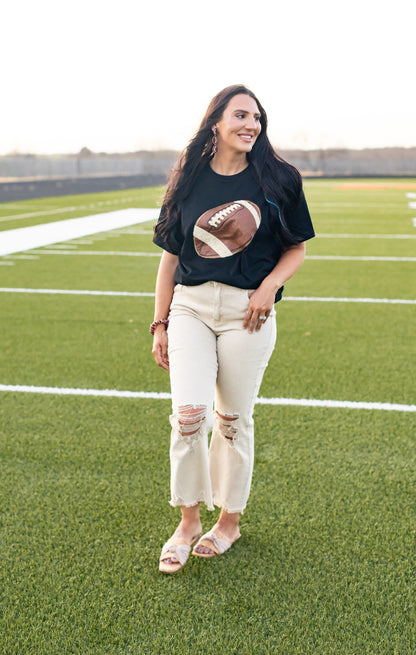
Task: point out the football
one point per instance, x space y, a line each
227 229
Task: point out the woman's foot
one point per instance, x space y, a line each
175 552
224 533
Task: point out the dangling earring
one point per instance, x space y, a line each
214 141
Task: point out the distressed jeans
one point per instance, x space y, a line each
217 365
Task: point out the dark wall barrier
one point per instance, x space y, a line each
25 189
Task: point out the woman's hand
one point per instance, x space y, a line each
259 308
164 292
262 300
160 347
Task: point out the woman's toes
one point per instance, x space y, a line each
204 550
171 560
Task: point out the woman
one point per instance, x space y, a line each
232 225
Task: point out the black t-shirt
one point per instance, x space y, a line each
226 233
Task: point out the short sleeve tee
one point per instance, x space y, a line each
227 234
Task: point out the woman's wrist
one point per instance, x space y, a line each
271 284
160 322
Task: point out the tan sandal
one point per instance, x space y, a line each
216 541
177 548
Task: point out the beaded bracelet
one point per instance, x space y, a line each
160 321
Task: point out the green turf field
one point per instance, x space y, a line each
327 562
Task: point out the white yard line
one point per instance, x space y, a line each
121 253
36 236
49 212
62 246
357 205
140 294
389 301
332 235
149 395
16 256
106 253
60 210
77 292
17 205
367 258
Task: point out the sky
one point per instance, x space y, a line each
138 74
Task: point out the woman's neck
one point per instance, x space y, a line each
229 164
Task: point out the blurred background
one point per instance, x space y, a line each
93 89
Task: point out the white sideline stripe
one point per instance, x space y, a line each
16 256
412 205
348 205
62 391
109 253
390 301
121 253
36 236
411 195
141 294
333 235
78 292
335 404
155 395
369 258
61 210
48 212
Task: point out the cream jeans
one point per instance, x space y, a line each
213 359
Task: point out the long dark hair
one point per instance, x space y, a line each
280 181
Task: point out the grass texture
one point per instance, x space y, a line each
326 564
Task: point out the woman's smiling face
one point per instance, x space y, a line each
240 124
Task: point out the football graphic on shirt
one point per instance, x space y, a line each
227 229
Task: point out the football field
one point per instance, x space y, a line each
327 560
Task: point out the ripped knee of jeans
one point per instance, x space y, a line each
227 426
189 423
